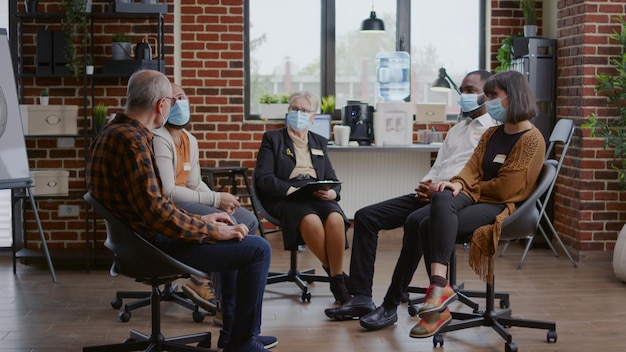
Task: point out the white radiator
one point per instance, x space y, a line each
372 176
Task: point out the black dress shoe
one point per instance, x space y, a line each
380 318
356 307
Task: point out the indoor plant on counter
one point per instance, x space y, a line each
327 105
274 106
530 17
99 117
43 97
120 46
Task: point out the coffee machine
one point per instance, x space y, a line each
360 118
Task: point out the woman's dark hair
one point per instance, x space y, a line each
522 104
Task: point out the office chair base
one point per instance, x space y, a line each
169 294
300 278
155 341
499 321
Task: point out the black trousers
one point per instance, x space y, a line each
450 220
368 221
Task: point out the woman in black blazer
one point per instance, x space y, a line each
289 158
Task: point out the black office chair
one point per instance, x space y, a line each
139 259
521 223
300 278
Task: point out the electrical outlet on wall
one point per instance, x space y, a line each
68 210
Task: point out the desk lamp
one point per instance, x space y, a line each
441 83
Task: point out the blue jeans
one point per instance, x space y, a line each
249 258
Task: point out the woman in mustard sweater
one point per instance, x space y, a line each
502 172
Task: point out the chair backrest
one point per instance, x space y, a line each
524 220
136 257
255 198
562 133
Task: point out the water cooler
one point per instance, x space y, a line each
393 120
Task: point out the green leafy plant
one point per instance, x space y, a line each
505 53
529 10
43 93
100 114
274 99
120 37
613 87
74 25
327 105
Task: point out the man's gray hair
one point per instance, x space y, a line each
145 88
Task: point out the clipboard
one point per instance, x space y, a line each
311 187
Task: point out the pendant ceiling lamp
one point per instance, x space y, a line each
372 24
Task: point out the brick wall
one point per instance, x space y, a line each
588 209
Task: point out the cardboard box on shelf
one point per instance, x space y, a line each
50 182
49 119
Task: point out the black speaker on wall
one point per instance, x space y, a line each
59 42
44 52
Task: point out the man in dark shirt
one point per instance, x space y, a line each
123 176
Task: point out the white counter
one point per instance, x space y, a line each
372 174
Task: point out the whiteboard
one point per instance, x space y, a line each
13 158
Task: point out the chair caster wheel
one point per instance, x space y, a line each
438 340
306 297
116 303
504 303
197 316
412 310
510 347
124 316
206 343
552 336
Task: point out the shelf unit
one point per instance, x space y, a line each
89 82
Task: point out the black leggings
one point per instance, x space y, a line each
452 219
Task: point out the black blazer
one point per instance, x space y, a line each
277 159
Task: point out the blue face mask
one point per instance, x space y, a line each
179 113
297 120
495 109
469 102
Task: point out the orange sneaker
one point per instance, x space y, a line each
201 294
436 299
430 324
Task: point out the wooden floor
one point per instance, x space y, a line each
588 304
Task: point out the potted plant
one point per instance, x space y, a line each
274 106
99 117
120 46
43 97
530 17
74 25
327 105
613 130
89 68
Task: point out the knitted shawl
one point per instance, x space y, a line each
516 180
